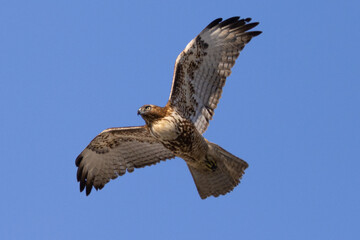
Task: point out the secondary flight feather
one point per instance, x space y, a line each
176 130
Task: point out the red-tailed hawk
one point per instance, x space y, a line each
176 129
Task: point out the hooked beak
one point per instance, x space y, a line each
139 111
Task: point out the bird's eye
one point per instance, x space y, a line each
147 108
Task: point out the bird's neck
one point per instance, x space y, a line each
156 114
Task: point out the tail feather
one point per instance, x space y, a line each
226 176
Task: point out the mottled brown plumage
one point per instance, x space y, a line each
176 129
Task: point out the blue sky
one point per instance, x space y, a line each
69 69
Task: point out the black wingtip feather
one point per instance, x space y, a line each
246 27
82 186
214 23
229 21
234 23
247 19
255 33
88 189
238 24
78 160
79 173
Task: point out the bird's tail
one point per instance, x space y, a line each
224 173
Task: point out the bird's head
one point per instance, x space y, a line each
145 110
151 113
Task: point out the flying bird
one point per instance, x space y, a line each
176 130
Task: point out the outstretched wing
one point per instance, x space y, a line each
113 151
201 69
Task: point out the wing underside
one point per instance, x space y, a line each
115 151
202 68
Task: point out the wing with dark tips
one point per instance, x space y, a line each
201 69
115 151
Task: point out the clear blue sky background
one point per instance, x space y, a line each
69 69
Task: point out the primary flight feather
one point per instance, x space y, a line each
200 73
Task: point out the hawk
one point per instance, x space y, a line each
176 129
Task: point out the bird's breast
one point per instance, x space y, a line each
166 129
